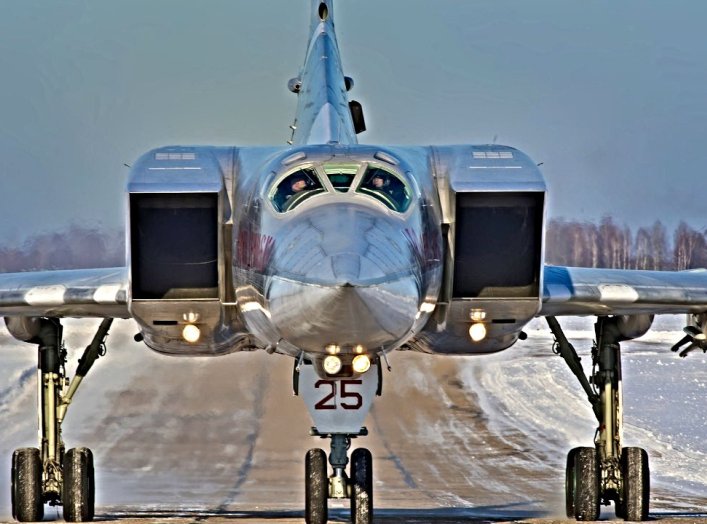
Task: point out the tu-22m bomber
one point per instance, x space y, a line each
334 254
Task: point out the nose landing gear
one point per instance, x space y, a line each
338 408
357 486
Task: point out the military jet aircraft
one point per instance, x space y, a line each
334 254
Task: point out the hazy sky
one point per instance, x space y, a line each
611 96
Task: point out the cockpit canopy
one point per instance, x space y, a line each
295 188
369 180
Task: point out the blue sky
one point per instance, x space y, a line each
611 96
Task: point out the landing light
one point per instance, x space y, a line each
332 365
478 315
477 332
361 363
191 333
191 317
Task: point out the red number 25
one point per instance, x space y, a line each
349 399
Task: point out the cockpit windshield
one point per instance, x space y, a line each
371 181
341 175
296 188
385 187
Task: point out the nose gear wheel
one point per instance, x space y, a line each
361 486
316 487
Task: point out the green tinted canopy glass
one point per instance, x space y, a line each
341 175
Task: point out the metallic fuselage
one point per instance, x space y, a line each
349 269
340 270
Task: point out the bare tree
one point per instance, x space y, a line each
688 245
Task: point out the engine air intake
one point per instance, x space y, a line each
174 240
498 244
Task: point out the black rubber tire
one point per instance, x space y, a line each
316 487
361 486
586 484
26 485
620 509
634 468
79 485
570 483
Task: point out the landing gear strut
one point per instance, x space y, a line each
358 486
50 474
338 407
606 472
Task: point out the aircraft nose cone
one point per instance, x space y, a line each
343 269
344 275
313 316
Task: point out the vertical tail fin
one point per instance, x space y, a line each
323 114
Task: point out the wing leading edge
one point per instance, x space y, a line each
65 293
589 291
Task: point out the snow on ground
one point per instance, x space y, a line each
530 389
525 389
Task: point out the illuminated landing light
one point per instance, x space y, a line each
333 349
477 332
191 317
191 333
478 315
358 349
361 363
332 365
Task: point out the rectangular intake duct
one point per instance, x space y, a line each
498 244
174 245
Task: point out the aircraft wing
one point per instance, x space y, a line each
65 293
589 291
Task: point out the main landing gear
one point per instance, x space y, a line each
357 486
51 474
607 471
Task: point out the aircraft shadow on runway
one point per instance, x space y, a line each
504 512
517 512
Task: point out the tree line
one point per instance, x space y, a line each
568 243
610 245
76 247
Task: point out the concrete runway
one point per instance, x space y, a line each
223 439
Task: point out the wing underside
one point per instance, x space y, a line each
589 291
65 293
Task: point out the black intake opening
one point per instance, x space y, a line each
174 240
498 244
323 11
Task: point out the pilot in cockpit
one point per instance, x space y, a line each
297 185
379 180
292 186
